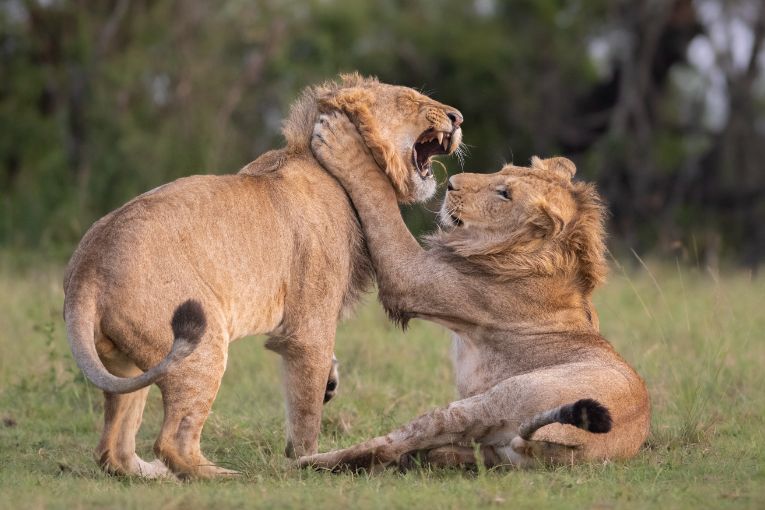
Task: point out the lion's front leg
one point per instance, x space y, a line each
368 455
307 361
458 423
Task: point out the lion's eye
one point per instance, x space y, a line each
504 193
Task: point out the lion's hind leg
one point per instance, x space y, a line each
561 444
493 419
122 418
188 393
116 448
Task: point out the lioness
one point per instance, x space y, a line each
275 249
511 274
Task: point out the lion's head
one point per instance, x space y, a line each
526 220
403 128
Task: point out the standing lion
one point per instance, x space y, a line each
275 249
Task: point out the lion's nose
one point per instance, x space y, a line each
455 117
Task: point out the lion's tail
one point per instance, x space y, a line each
188 325
586 414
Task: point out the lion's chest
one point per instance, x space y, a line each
473 374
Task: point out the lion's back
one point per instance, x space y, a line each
243 235
201 210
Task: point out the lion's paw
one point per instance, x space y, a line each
334 137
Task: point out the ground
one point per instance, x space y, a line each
696 337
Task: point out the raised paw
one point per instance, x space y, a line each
335 128
336 143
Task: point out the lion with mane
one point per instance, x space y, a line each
511 273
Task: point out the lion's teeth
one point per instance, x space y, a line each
440 137
446 143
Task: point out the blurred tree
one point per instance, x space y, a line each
661 101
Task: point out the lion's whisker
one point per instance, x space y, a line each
462 151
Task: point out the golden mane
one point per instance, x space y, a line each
578 250
298 125
354 95
297 128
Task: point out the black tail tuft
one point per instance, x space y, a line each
189 322
587 414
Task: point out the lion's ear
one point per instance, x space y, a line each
564 167
356 102
547 221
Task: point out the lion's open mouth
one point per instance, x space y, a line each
430 143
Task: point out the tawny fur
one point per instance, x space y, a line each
511 274
275 249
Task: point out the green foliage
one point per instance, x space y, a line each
166 89
99 103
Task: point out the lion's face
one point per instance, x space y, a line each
515 202
420 129
522 221
403 129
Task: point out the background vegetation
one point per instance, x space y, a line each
661 101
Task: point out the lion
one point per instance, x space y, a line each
511 273
275 249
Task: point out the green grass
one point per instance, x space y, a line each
696 339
